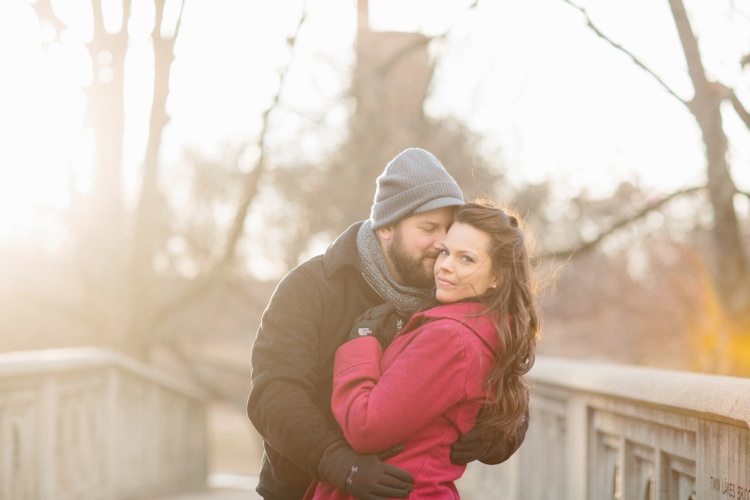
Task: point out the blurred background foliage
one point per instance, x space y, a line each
177 270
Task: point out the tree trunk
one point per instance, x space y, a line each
148 232
730 265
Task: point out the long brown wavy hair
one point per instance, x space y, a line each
512 305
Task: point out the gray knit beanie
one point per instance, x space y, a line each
412 183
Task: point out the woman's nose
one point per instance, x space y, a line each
445 264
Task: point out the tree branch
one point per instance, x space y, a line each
388 64
179 20
45 12
625 51
689 43
737 105
253 176
591 244
251 183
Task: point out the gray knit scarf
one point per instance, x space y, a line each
406 299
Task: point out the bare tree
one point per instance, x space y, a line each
123 298
729 257
115 251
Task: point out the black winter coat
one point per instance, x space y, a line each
308 317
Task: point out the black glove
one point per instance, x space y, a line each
471 446
468 448
381 322
371 479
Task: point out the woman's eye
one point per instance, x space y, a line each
444 253
467 259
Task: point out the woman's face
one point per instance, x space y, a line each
464 267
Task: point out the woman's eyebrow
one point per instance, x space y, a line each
468 252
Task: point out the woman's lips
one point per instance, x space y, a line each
443 282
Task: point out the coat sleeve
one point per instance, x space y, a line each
379 410
281 404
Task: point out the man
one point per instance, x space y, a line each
390 258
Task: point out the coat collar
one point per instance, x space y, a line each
460 311
343 251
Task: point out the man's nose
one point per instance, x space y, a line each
438 239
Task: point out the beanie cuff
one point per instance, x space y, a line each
419 199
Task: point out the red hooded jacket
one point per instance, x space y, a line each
424 392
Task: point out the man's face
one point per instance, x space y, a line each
412 246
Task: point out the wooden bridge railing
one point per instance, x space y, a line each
90 423
602 431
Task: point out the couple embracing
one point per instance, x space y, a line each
385 365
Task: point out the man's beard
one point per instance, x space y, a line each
412 270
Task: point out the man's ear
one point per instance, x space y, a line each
385 233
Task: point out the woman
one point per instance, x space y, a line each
469 351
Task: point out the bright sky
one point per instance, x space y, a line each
540 87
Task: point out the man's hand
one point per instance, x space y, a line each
380 322
371 479
471 446
364 476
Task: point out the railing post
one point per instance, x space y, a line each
578 448
153 464
46 444
111 391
